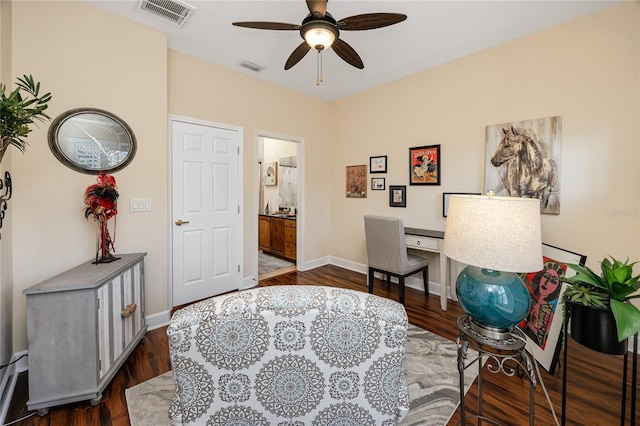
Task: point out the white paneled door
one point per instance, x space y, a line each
207 246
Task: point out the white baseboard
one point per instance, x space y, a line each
316 263
415 283
249 282
158 320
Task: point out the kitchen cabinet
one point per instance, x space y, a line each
264 236
290 239
277 235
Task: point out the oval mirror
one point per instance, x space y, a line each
90 140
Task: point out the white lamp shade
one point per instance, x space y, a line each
498 233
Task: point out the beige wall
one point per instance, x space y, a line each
88 57
585 71
209 92
108 62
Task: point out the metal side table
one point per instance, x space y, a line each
507 356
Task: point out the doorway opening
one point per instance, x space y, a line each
278 206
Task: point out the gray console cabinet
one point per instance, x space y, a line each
82 325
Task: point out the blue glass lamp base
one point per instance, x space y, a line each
496 301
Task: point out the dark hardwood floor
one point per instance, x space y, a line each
594 379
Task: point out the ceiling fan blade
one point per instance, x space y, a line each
267 25
318 8
297 55
347 53
370 21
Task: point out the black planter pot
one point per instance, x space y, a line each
595 328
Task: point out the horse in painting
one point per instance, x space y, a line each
526 167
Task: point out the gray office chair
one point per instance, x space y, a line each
387 252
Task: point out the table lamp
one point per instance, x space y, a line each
497 237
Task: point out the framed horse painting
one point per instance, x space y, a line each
522 159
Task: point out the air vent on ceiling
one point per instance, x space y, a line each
251 66
175 11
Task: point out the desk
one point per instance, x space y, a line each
428 240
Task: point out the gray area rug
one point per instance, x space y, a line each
431 371
268 263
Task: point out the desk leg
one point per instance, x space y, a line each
445 269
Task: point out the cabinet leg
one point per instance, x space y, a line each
42 412
95 401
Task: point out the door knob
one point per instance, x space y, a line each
181 222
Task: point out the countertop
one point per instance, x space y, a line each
293 216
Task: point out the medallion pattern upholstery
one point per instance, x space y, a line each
289 356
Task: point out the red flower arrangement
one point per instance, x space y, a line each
101 203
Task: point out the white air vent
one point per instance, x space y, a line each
251 66
175 11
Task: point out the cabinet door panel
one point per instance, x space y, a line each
138 297
277 235
264 238
289 235
127 304
104 330
290 251
117 331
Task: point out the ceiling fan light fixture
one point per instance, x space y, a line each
320 35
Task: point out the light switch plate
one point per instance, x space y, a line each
140 205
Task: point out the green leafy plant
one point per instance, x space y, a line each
18 112
613 288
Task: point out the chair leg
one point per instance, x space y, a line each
425 277
370 280
401 284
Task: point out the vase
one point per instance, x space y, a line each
595 328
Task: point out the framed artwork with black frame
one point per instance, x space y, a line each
543 325
378 164
424 165
397 196
447 195
377 184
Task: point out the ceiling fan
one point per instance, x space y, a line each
321 31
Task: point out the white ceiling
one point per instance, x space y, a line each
435 32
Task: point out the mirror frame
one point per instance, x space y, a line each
53 139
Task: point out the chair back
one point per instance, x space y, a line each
289 355
386 245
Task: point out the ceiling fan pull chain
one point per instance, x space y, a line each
319 77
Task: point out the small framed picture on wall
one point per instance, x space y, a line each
424 165
377 184
397 196
356 181
270 173
378 164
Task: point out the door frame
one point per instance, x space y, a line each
300 219
196 121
